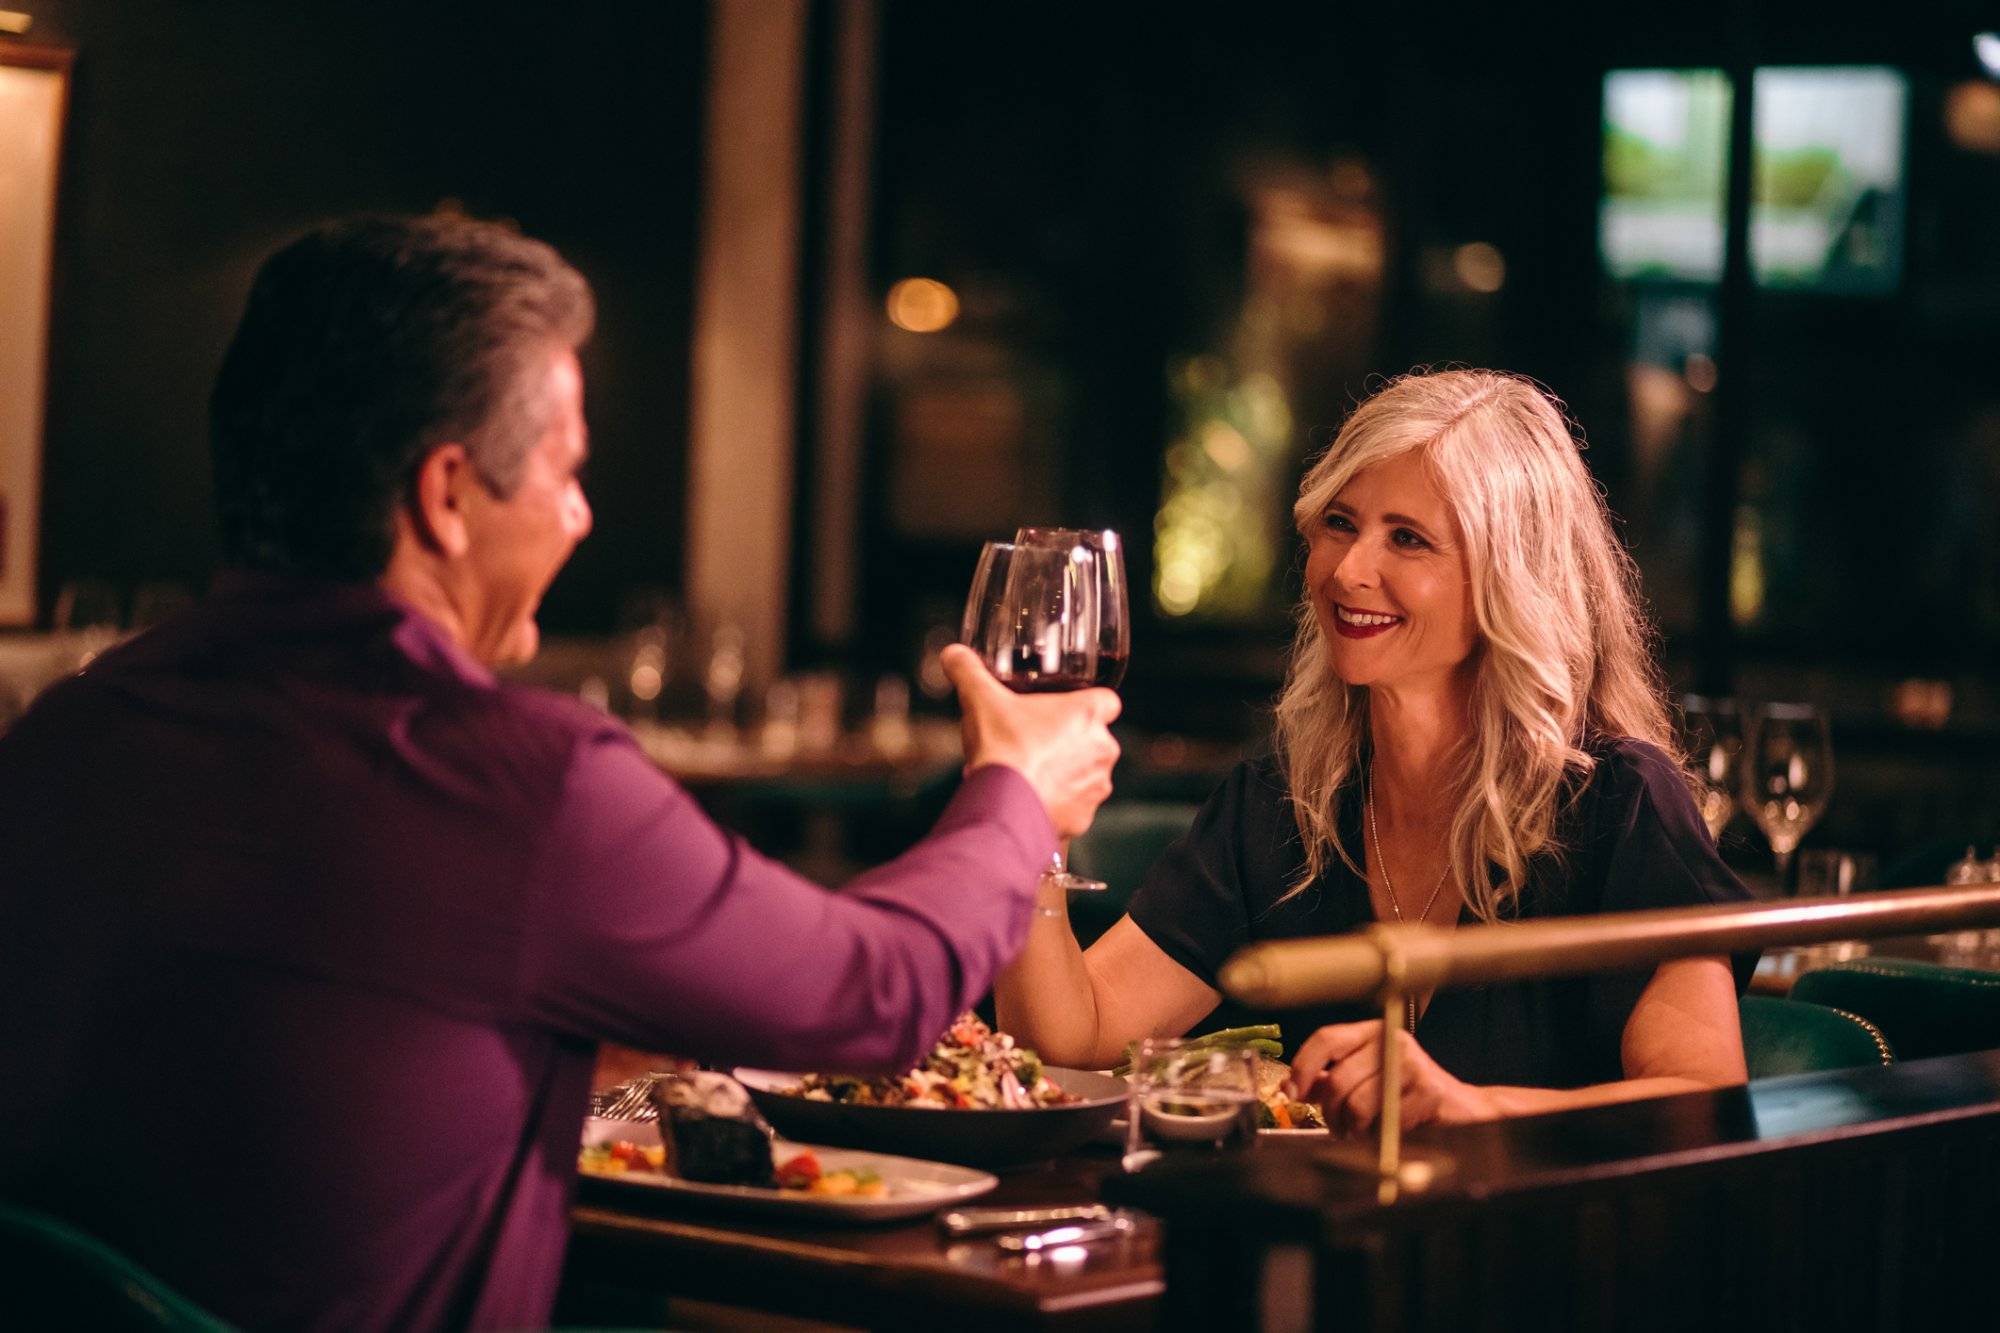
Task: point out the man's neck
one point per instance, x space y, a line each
414 580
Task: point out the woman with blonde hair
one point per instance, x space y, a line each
1472 728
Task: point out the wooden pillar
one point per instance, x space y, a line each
743 430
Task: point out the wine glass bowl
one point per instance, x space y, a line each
1787 775
1032 616
1114 604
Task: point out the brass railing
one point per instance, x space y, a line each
1385 963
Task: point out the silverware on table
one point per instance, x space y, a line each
984 1221
1075 1233
630 1100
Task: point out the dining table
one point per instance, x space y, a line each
629 1244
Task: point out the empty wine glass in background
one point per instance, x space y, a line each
722 678
1032 616
649 626
1114 605
1787 775
1712 731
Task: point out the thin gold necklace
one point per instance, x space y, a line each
1389 883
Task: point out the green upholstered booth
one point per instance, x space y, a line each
1122 844
54 1276
1924 1009
1792 1037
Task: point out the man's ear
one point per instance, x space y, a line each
437 500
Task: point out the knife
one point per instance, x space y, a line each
980 1221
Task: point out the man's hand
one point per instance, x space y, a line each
1061 743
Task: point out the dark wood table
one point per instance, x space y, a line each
900 1275
1853 1199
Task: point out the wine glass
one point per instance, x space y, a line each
1787 775
1114 621
1032 616
1712 730
1114 605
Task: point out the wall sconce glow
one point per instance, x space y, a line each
922 305
1480 266
13 21
1986 45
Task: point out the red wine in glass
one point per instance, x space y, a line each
1030 675
1032 616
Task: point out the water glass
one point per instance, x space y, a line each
1827 873
1189 1099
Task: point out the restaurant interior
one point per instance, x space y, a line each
878 282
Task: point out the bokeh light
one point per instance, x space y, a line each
922 305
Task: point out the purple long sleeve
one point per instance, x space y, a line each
663 931
342 918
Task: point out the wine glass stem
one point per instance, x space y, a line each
1784 859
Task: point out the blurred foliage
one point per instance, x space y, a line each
1798 178
1216 538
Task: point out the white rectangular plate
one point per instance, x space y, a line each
916 1187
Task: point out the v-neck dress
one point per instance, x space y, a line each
1628 838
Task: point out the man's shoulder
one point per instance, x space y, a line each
540 726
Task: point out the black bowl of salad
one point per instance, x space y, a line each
978 1099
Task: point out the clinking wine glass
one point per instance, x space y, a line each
1033 618
1712 730
1787 775
1114 605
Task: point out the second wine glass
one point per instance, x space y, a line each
1033 618
1114 605
1787 775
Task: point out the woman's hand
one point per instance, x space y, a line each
1340 1067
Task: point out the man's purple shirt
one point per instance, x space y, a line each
309 930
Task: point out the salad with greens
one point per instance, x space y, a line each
972 1068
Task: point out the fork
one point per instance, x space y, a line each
631 1100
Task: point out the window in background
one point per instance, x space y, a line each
1660 233
1827 207
1666 166
1827 214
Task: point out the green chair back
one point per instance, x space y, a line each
1792 1037
1924 1009
54 1276
1122 844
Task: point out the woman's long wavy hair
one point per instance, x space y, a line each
1563 650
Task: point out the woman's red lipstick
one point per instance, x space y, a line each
1352 631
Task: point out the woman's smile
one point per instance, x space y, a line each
1355 623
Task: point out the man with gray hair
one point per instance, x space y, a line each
310 926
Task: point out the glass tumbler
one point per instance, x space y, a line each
1189 1098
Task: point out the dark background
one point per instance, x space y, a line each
202 135
1075 167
